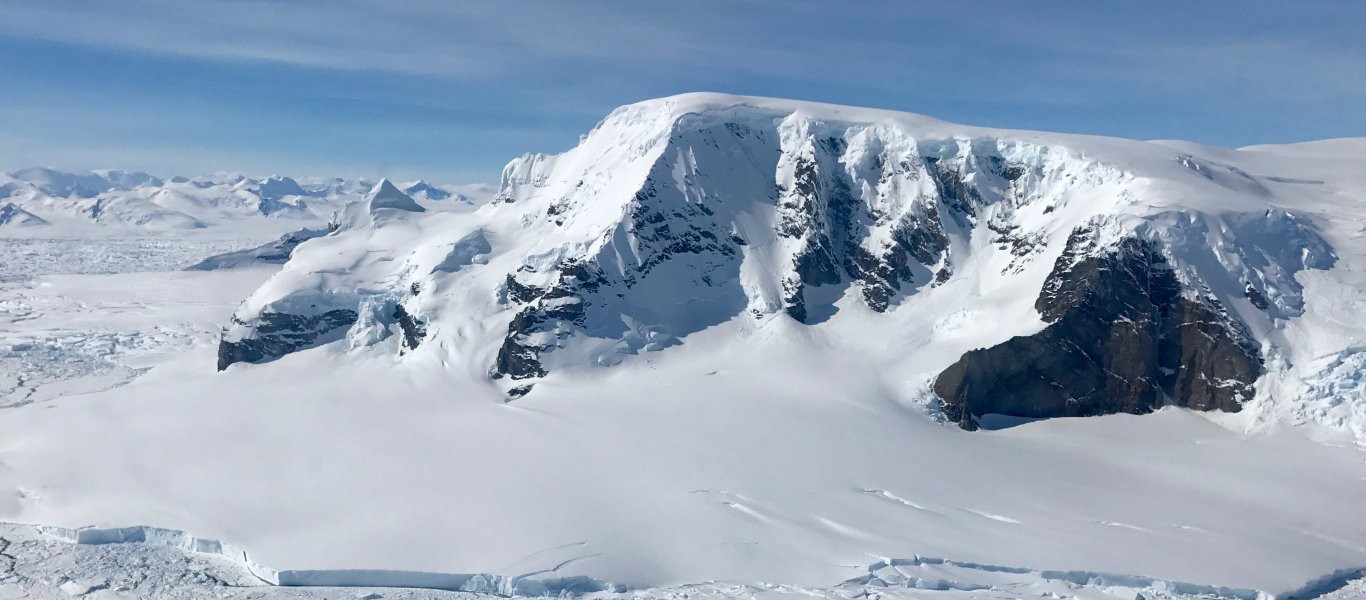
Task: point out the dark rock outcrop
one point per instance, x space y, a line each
278 334
833 225
414 330
1122 338
551 312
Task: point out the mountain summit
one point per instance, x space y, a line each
386 195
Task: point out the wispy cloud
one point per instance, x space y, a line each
500 77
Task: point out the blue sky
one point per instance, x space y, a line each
450 91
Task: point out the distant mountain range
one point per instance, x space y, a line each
46 201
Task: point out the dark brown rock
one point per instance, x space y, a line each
1122 338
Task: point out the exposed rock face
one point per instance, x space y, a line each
1122 338
414 330
278 334
546 317
848 207
839 235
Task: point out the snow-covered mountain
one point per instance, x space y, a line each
736 341
124 201
1039 275
11 216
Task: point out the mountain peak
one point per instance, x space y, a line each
425 190
385 200
12 215
386 195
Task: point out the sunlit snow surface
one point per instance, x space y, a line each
748 460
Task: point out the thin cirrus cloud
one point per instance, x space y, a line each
454 89
423 38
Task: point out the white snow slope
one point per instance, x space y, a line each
690 431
